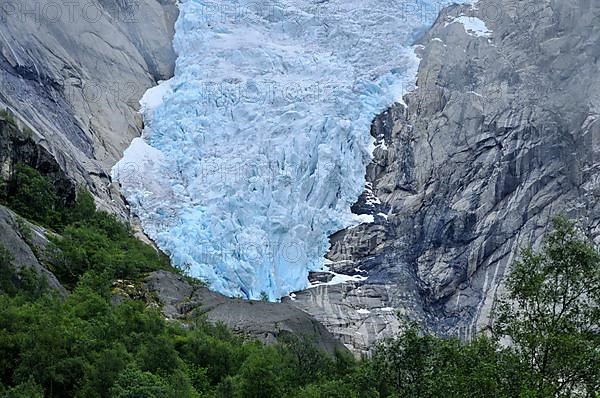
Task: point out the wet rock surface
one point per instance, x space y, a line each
18 146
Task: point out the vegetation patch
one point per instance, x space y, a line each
86 239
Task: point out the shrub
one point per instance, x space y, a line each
7 116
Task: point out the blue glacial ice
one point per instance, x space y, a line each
255 150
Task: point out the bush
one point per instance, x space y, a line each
25 390
134 383
329 389
90 240
261 376
96 241
7 116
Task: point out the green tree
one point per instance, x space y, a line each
415 364
104 367
29 389
25 281
260 375
306 362
551 314
134 383
198 378
221 356
82 210
8 282
97 241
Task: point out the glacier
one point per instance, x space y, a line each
254 152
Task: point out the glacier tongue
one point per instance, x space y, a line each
256 149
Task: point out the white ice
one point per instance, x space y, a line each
255 150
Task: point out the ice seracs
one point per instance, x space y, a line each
256 149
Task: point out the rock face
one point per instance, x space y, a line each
73 73
502 134
21 238
263 320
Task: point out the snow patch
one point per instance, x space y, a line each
338 279
382 145
365 218
474 93
473 26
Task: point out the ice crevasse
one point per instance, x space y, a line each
255 150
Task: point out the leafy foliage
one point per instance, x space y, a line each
416 365
89 239
7 116
86 346
95 240
15 281
552 314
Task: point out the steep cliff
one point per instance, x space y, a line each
73 74
501 134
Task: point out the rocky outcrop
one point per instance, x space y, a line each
23 240
259 319
501 134
73 74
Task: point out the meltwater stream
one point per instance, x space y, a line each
255 150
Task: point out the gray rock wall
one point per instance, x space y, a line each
73 72
502 134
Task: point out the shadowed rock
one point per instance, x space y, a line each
21 238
